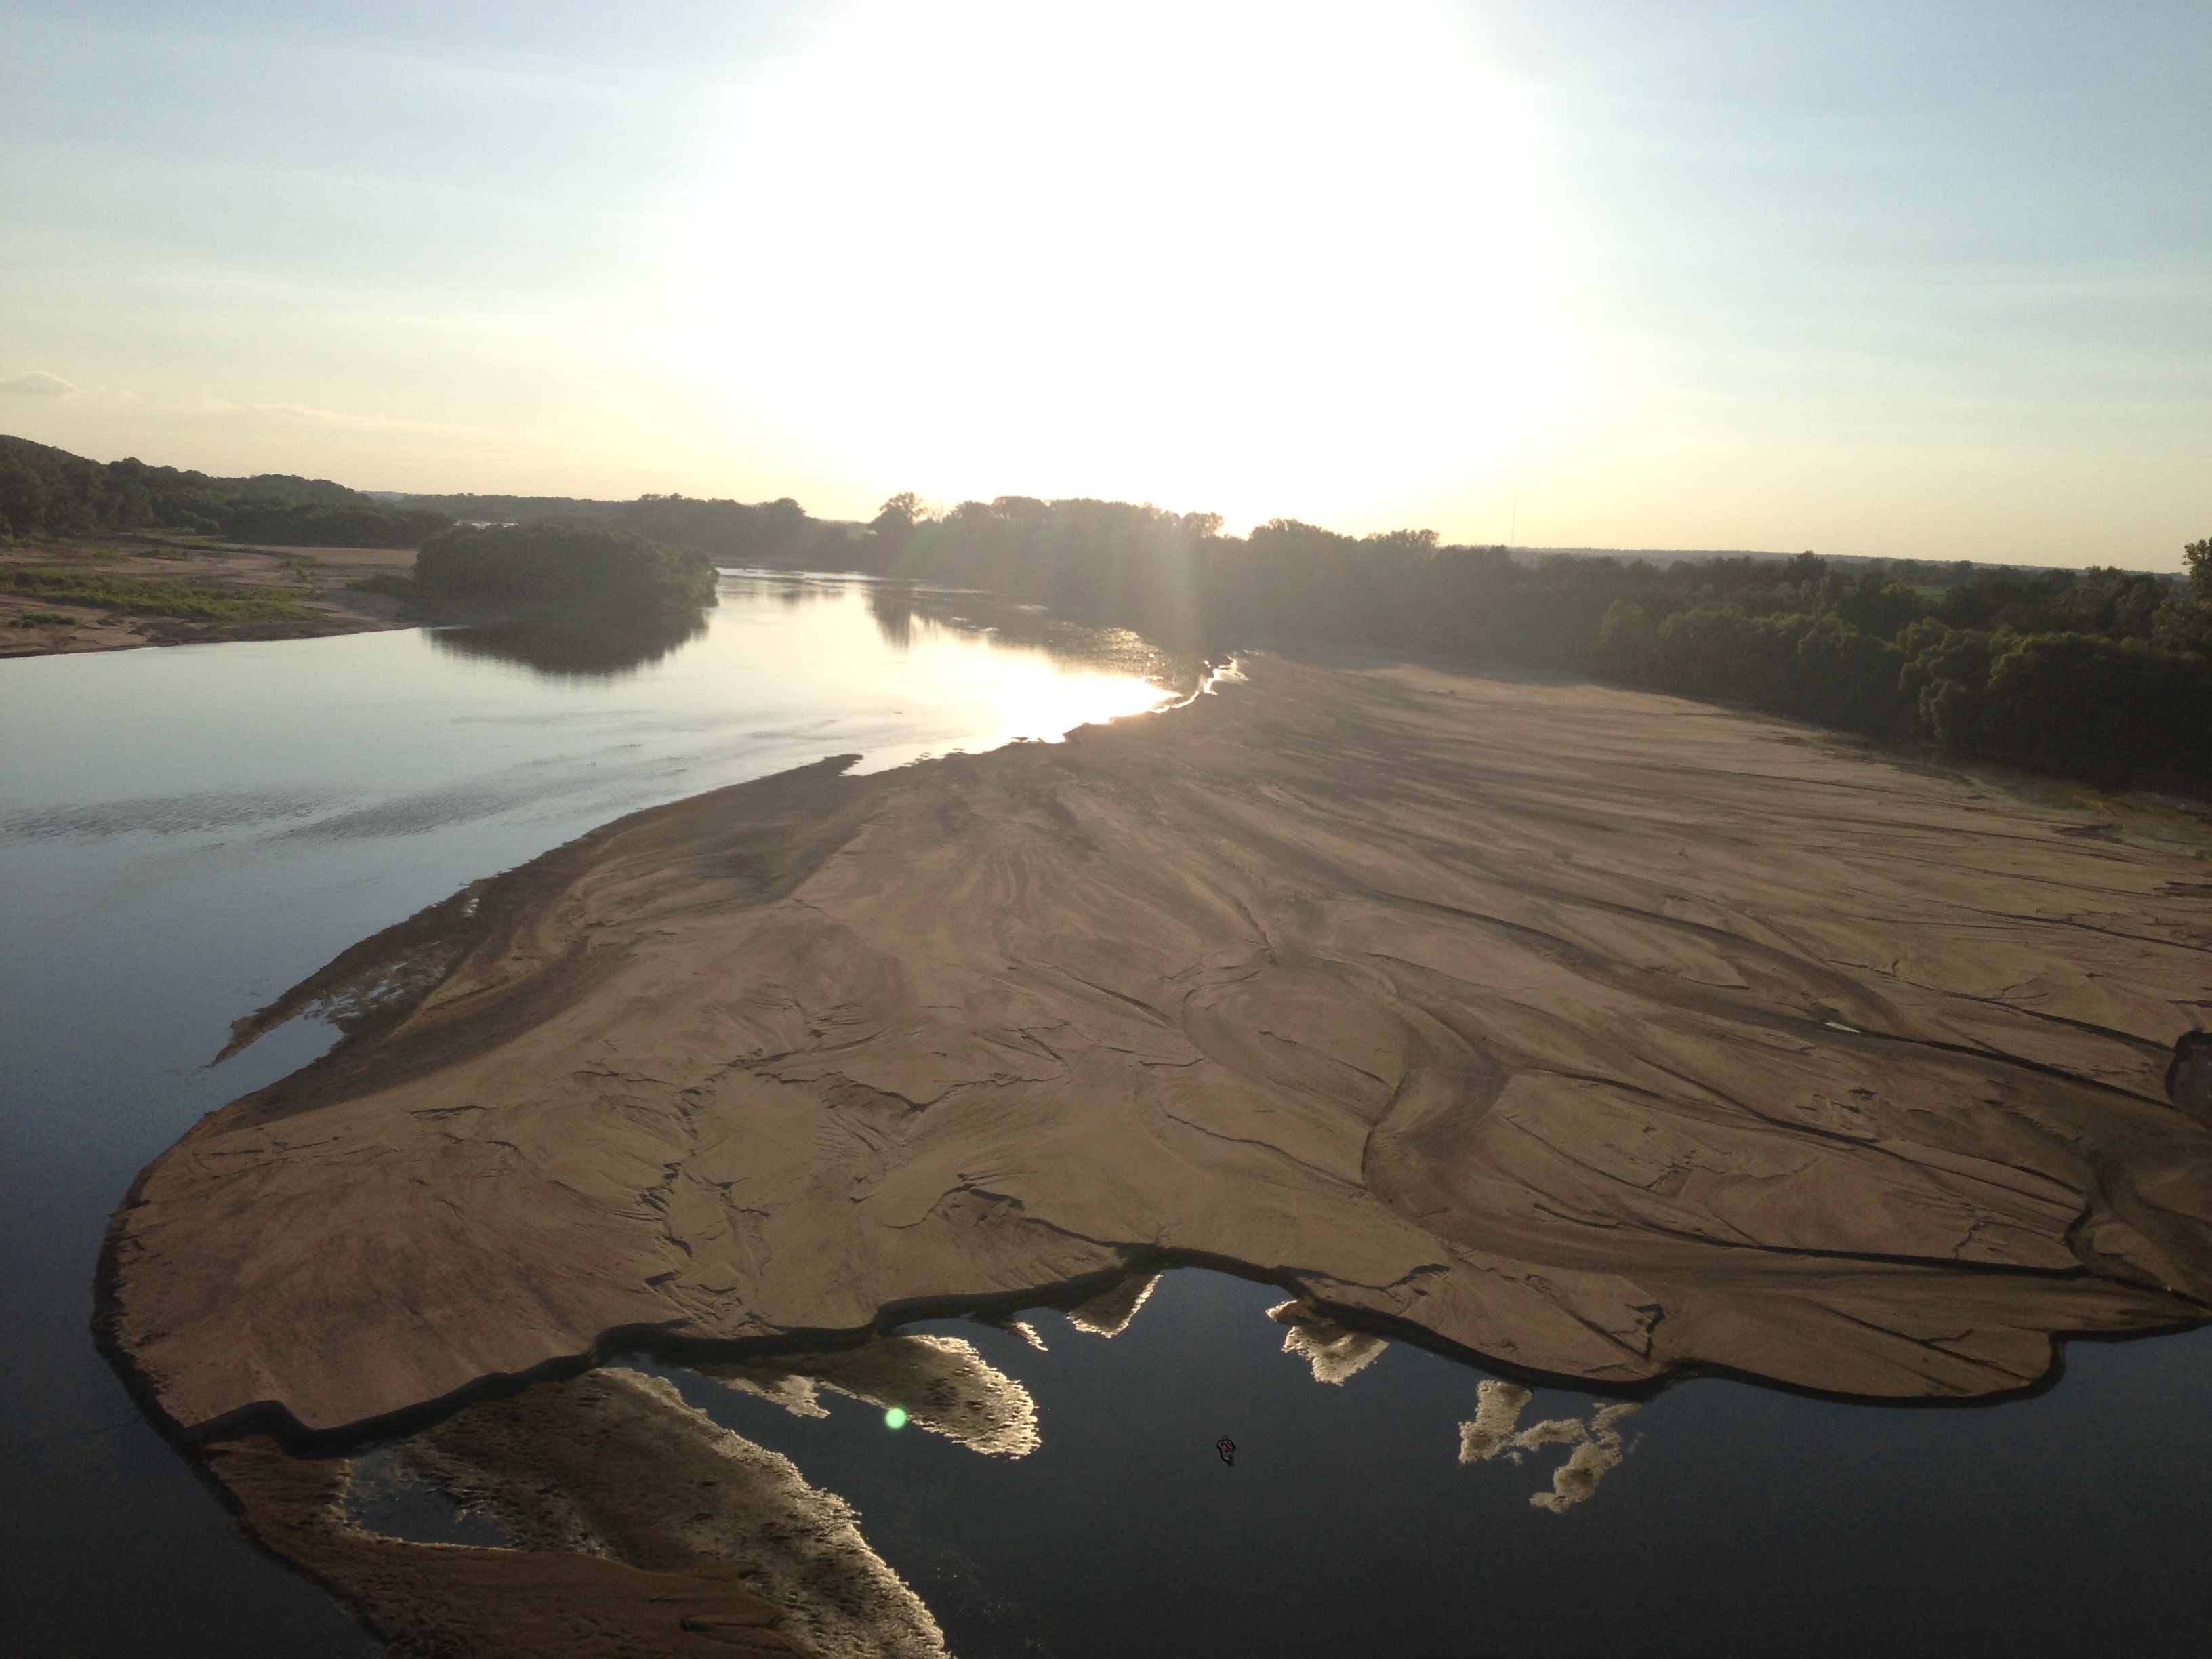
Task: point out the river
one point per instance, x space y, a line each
185 832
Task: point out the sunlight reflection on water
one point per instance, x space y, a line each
397 734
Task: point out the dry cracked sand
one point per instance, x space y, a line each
1596 1034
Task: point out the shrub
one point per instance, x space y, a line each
562 562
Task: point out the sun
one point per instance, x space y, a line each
1261 260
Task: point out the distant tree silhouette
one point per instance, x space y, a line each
47 493
2107 672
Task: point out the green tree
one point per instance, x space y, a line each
902 512
2199 557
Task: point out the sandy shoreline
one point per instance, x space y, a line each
1602 1034
314 578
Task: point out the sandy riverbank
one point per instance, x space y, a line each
1598 1033
316 578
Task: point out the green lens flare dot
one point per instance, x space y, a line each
895 1418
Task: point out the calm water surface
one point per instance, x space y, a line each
185 832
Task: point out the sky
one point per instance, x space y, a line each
1923 280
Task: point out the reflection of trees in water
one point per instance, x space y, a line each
903 610
1496 1432
891 605
602 647
789 590
1335 1351
578 647
939 1384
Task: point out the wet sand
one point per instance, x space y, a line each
1599 1035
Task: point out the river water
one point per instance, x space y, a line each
185 832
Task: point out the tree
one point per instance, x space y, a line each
902 512
2199 557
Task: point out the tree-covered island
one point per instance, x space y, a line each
562 563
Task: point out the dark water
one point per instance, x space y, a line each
1740 1520
185 832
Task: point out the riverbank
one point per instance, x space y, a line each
314 583
1595 1034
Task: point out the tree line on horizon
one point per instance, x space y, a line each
2102 671
2099 671
48 494
51 494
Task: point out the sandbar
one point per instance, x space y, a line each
1587 1033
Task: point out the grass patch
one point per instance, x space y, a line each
44 619
137 597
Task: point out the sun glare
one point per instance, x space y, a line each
1259 259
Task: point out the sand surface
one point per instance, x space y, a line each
1598 1034
314 578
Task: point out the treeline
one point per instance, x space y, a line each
319 524
2104 670
574 566
504 509
48 494
776 534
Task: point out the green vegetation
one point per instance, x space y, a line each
562 563
44 619
777 533
136 596
324 524
49 494
767 533
2102 671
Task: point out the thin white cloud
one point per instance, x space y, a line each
37 383
356 423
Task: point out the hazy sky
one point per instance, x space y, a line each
1926 279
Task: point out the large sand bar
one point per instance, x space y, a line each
1597 1033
